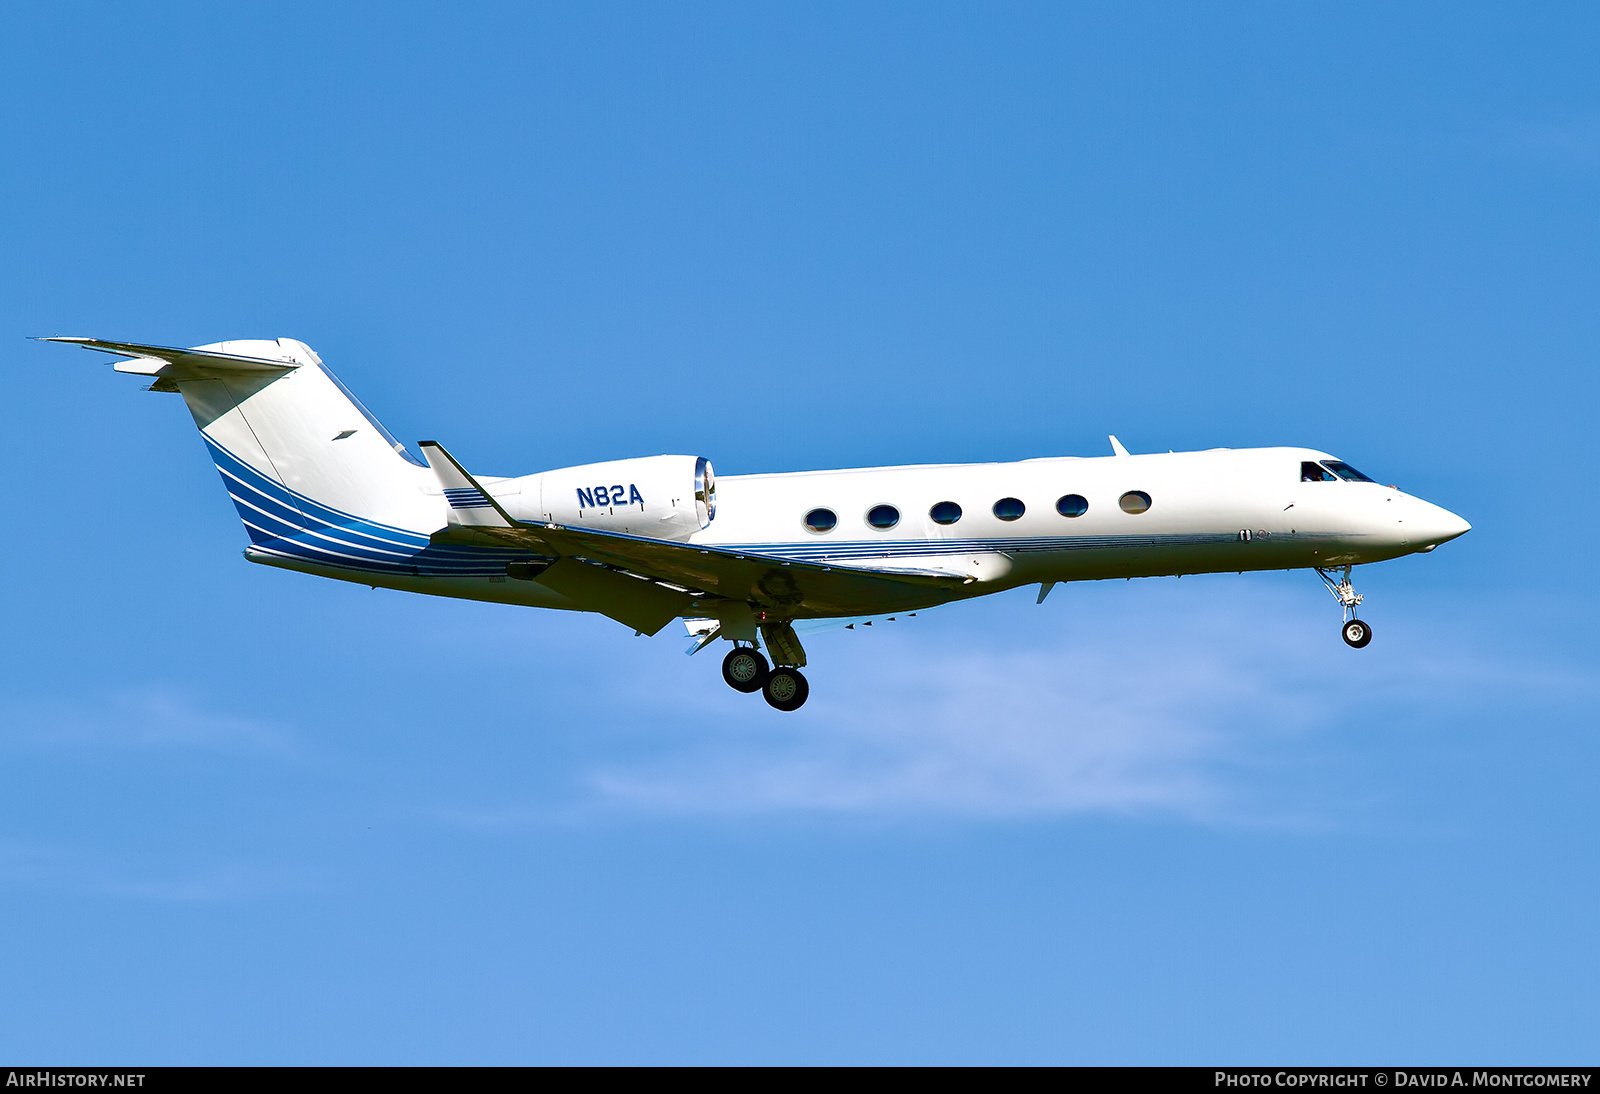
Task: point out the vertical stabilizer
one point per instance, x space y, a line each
304 433
314 476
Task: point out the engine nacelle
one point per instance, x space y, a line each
662 497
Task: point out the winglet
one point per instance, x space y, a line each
1116 446
471 506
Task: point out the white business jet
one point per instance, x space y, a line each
324 489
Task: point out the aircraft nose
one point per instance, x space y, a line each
1434 525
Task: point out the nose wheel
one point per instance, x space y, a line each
1355 632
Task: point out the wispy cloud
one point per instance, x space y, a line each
152 717
63 866
974 733
1166 716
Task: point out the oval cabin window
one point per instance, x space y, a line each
883 517
1134 501
1072 505
946 512
1009 508
821 520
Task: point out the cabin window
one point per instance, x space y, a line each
1072 505
1345 471
821 520
1134 501
946 512
1009 508
883 517
1315 472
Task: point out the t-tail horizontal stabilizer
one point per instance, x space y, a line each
470 504
176 363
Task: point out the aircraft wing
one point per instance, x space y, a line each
802 588
796 589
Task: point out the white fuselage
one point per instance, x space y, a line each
323 488
1219 510
1212 511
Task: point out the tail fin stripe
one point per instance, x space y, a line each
286 524
311 540
371 551
300 542
281 498
424 566
468 497
283 548
341 558
286 530
247 473
258 534
245 496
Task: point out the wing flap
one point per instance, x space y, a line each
635 602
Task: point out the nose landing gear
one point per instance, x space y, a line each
1355 632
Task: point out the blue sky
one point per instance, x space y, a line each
251 816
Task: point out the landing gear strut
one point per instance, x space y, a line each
1356 632
745 669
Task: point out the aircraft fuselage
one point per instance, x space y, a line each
323 488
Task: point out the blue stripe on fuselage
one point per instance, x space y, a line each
286 523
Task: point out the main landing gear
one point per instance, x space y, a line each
745 669
784 687
1355 632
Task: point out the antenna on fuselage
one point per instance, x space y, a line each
1116 446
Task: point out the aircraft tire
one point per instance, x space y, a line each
785 689
1357 633
744 669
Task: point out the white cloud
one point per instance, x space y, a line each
1163 712
152 717
977 733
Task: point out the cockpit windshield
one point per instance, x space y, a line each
1310 471
1345 471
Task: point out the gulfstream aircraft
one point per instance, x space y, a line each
324 489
